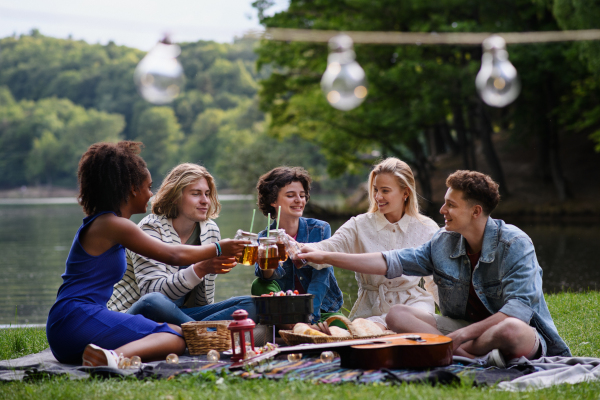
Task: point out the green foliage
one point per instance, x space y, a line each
160 132
42 141
416 89
214 122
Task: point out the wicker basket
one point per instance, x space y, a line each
292 339
200 341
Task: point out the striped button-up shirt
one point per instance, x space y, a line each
145 275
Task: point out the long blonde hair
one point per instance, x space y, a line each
166 199
404 177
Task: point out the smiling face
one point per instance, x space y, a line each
389 196
195 201
458 213
292 199
141 196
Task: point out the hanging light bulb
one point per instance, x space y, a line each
497 81
343 82
159 76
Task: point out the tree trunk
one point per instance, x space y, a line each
560 183
423 176
449 141
489 151
463 141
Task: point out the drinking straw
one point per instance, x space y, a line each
278 215
252 224
268 221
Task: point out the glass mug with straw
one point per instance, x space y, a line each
268 254
250 254
281 243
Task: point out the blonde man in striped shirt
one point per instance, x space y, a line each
182 213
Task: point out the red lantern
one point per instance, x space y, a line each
241 324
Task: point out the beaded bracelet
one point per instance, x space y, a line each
219 252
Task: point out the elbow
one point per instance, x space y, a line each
174 257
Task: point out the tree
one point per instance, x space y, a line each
160 132
416 92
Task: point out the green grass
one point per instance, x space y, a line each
19 342
575 314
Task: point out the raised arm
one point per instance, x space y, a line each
155 276
343 241
129 235
369 263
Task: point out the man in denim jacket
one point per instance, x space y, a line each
488 277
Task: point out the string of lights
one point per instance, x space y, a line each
159 76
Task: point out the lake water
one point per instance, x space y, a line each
35 242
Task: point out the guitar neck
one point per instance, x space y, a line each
303 348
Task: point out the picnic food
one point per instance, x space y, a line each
364 327
361 327
281 293
339 332
304 329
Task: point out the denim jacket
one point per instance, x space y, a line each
321 283
507 278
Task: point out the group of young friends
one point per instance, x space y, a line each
127 288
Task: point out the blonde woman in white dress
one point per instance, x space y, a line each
392 222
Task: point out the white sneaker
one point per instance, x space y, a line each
496 359
94 356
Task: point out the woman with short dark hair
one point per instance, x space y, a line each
114 184
289 188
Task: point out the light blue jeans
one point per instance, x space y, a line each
159 308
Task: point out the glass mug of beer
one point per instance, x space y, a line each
268 254
293 249
250 254
281 240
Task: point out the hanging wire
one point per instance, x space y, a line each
451 38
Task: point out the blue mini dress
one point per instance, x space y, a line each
80 316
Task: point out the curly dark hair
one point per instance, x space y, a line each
106 174
476 187
270 184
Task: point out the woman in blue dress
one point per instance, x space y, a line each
114 184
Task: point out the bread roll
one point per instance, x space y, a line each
303 329
314 332
300 328
364 327
339 332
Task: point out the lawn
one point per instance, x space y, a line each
575 314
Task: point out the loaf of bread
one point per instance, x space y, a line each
339 332
303 329
364 327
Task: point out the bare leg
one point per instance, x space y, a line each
155 346
406 319
513 337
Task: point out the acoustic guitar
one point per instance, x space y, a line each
415 350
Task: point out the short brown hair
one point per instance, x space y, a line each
270 184
106 174
167 198
476 187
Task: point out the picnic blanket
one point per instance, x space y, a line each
522 374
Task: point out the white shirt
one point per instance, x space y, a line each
372 232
